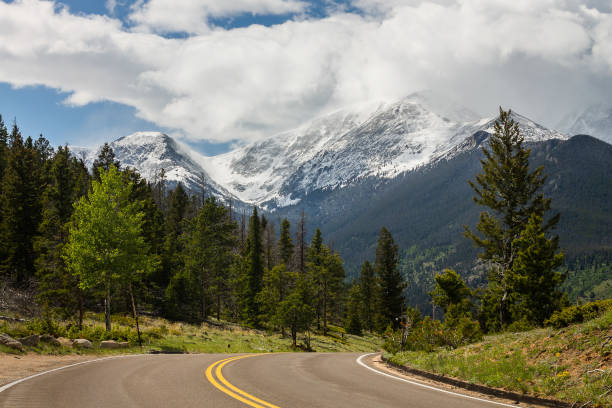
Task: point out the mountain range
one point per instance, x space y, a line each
404 165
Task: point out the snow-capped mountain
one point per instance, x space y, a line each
380 140
595 121
150 152
375 140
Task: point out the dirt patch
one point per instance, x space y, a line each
14 367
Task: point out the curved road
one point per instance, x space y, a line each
287 380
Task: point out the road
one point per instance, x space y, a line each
285 380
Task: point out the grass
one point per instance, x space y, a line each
164 336
572 364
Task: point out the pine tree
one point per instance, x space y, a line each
105 159
300 242
508 187
4 153
390 281
368 290
296 311
254 271
353 318
285 244
21 209
172 262
105 246
534 279
208 255
452 295
58 288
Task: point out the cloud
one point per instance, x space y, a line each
543 58
192 16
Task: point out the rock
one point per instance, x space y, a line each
64 341
82 343
124 344
47 338
31 341
109 344
10 342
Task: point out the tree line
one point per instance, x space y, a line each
107 240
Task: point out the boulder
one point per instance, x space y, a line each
47 338
31 341
64 341
10 342
124 344
82 343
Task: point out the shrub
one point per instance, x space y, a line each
578 313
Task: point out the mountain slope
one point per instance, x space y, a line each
150 152
596 121
381 140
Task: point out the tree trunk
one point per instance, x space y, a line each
107 309
135 314
294 336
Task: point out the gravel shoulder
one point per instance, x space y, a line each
14 367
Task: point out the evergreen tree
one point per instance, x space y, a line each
278 283
452 295
326 274
4 153
21 209
254 271
208 255
285 244
105 159
296 311
58 288
510 189
353 318
534 279
105 246
368 290
300 242
172 262
390 281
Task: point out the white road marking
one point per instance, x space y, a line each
360 362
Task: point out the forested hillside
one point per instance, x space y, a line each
427 208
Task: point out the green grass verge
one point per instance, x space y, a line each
164 336
571 364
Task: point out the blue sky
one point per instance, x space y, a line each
41 110
215 73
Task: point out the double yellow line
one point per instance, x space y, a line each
214 370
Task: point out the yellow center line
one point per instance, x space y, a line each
232 390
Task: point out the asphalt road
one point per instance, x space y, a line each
287 380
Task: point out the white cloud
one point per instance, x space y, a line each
192 16
540 57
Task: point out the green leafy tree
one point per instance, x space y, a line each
105 246
534 278
278 283
58 288
511 191
390 281
368 291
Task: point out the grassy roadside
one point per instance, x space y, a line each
572 364
165 336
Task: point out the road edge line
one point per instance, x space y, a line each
361 363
